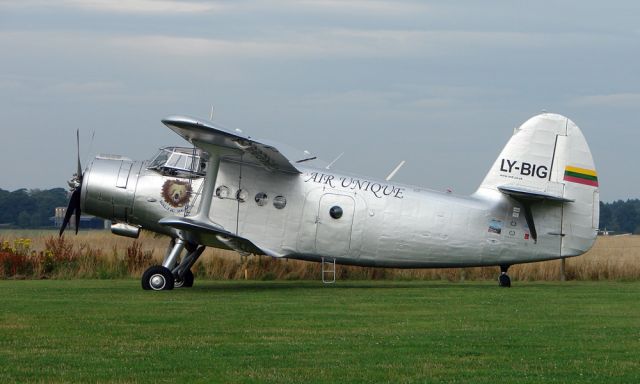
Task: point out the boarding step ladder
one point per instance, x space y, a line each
328 271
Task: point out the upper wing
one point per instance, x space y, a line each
266 155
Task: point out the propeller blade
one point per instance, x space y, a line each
77 209
78 146
74 206
74 201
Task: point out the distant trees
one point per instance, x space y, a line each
30 208
621 216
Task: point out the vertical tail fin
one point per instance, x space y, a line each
548 157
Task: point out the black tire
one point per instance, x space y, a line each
504 281
188 279
157 278
186 282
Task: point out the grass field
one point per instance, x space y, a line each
300 331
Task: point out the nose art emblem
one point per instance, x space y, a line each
176 193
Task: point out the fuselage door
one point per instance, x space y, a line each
333 224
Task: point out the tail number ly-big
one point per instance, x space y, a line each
524 168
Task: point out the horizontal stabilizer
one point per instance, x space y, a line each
522 193
198 131
207 234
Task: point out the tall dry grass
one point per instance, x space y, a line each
98 254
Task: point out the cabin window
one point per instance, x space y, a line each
242 195
222 192
279 202
160 159
261 198
335 212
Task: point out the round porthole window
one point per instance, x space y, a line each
279 202
222 192
335 212
242 195
261 198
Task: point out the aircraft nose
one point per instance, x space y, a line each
109 187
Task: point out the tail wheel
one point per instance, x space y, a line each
504 281
157 278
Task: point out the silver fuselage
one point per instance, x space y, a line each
382 223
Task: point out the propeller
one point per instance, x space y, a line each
76 190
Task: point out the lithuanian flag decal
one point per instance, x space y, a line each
581 176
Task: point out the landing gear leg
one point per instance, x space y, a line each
171 258
504 280
182 272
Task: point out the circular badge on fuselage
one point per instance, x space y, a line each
176 193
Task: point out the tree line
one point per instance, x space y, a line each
34 208
620 216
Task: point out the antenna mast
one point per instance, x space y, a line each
396 169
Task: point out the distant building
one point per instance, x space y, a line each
86 221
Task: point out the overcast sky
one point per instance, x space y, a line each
438 84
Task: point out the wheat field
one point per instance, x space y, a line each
103 255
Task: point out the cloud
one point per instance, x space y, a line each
352 98
106 91
348 6
328 43
399 98
197 46
615 100
432 102
86 88
296 43
9 83
128 6
38 89
352 7
377 99
146 6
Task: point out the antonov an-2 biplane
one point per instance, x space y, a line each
539 201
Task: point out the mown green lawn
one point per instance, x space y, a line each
303 332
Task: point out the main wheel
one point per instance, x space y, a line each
186 282
504 281
157 278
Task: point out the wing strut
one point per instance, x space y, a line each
213 165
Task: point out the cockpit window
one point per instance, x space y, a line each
159 159
180 162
